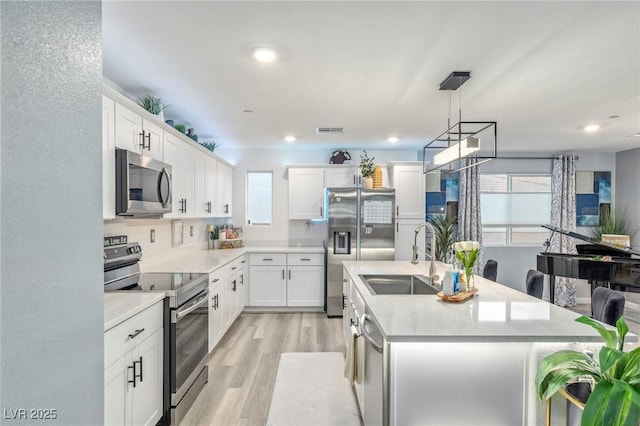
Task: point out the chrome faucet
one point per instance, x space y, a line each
414 257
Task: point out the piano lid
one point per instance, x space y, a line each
626 250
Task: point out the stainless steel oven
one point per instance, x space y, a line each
186 325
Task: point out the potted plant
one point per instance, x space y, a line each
611 223
445 230
210 144
614 377
180 127
367 167
153 105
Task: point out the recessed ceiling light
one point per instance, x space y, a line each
592 128
264 54
392 139
290 138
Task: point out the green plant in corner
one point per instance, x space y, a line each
367 166
615 377
612 223
152 104
445 229
210 144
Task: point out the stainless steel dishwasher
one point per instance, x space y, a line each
375 409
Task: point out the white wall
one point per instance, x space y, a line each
51 196
284 229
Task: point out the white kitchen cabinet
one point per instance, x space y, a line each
306 193
199 185
134 358
342 177
226 298
224 194
128 129
305 280
138 134
183 193
108 158
217 299
210 186
286 280
268 285
408 180
172 157
405 233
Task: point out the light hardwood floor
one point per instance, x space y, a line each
242 369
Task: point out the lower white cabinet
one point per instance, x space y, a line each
226 298
405 234
279 280
133 375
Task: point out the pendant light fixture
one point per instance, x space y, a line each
463 139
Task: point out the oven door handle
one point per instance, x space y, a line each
201 301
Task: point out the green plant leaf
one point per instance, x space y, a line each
623 406
609 336
628 366
608 358
623 329
561 367
593 413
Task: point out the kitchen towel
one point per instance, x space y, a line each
351 356
310 390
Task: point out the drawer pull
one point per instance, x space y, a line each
305 260
215 280
234 268
136 333
267 259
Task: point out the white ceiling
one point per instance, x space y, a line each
542 70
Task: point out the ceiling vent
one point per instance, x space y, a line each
329 130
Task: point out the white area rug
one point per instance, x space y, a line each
310 389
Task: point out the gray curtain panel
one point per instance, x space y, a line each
469 220
563 216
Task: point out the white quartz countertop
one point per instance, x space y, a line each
198 259
119 307
496 313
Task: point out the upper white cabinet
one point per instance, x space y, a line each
224 191
108 158
306 193
342 177
409 182
201 182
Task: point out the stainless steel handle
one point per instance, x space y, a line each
164 174
133 367
136 333
344 302
242 279
202 300
283 274
267 260
321 212
208 209
305 259
397 210
142 144
234 286
397 227
234 268
289 273
378 346
215 280
148 148
226 208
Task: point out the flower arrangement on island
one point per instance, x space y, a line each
467 254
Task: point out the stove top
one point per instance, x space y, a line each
122 273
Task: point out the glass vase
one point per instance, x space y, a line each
468 275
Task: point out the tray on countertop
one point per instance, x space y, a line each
458 297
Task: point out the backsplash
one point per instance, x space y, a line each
139 230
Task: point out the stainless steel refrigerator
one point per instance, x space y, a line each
360 226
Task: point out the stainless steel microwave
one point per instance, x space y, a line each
143 185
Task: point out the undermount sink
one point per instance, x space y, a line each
398 284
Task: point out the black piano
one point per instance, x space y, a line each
621 272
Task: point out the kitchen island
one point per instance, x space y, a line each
440 363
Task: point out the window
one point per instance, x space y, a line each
259 198
513 206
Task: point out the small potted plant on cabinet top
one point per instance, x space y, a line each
367 167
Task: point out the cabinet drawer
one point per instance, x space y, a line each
268 259
302 259
237 265
221 274
118 340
